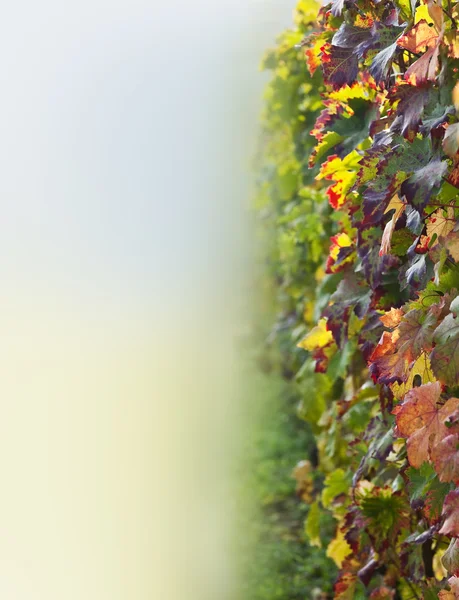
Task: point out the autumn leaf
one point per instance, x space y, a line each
318 337
386 364
420 371
451 515
338 549
445 457
436 14
438 225
398 350
418 38
422 421
343 172
424 68
450 560
345 586
392 318
341 253
339 65
382 593
313 54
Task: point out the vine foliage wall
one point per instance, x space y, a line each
359 191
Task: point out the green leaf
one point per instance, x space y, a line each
311 525
336 483
420 480
445 356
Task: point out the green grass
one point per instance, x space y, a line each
277 561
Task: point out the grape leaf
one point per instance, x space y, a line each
418 38
398 350
445 356
343 172
318 337
412 100
425 68
392 318
351 296
451 514
424 182
420 480
422 422
338 548
445 456
440 225
350 36
339 66
420 370
336 483
450 560
374 264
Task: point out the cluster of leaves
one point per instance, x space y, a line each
372 278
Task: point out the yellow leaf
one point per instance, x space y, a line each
422 12
318 337
338 548
395 204
440 225
343 172
439 570
355 91
456 96
420 369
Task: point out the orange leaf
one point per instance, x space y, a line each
422 422
392 318
397 351
420 37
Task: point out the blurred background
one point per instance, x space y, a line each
128 130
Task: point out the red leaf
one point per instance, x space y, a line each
425 68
